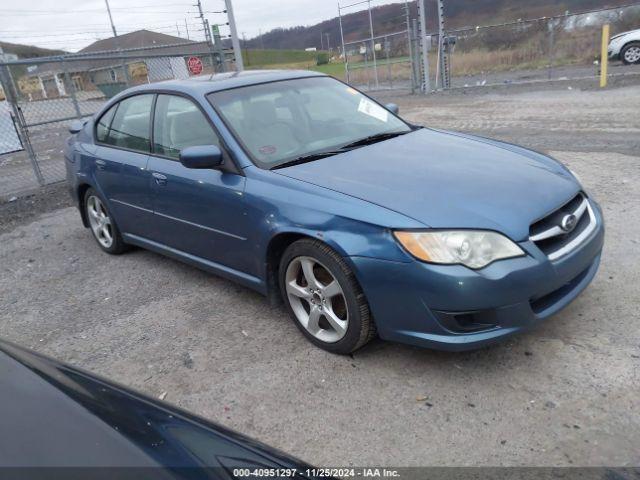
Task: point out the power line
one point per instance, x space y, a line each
105 29
183 5
31 14
15 34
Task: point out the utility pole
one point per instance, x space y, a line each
125 71
425 80
186 27
205 26
234 36
177 29
207 34
328 46
344 52
373 45
113 27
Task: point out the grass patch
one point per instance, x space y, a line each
271 58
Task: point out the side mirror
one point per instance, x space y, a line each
205 156
75 127
393 108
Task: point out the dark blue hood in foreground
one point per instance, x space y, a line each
448 180
53 415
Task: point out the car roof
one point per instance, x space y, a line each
204 84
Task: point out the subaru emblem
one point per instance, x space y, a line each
569 222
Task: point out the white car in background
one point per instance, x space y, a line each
626 47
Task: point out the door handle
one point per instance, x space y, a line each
160 178
100 164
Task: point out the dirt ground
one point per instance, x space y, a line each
564 394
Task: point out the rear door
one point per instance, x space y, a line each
199 212
123 144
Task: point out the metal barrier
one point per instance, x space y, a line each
44 94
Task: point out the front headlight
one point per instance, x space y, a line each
472 248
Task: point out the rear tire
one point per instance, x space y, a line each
630 54
323 297
102 224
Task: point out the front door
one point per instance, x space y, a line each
198 212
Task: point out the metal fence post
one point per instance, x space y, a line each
415 55
72 88
551 29
410 45
425 82
387 47
7 84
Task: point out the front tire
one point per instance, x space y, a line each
630 54
324 298
102 224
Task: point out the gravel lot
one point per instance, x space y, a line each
564 394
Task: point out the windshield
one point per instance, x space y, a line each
281 121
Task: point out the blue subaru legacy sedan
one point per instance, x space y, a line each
302 188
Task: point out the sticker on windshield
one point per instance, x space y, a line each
373 110
268 150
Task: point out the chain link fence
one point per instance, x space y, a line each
382 62
561 47
41 96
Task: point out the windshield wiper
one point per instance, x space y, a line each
378 137
307 158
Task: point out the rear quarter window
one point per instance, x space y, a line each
102 127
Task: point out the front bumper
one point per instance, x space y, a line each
451 307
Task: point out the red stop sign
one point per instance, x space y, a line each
195 65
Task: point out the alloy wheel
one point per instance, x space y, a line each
317 299
99 221
632 55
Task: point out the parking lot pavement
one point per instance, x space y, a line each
563 394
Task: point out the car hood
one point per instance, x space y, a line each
619 35
448 180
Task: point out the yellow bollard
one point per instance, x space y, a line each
604 56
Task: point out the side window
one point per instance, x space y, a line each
130 125
178 124
102 128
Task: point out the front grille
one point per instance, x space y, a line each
558 234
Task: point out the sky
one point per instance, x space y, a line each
73 24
